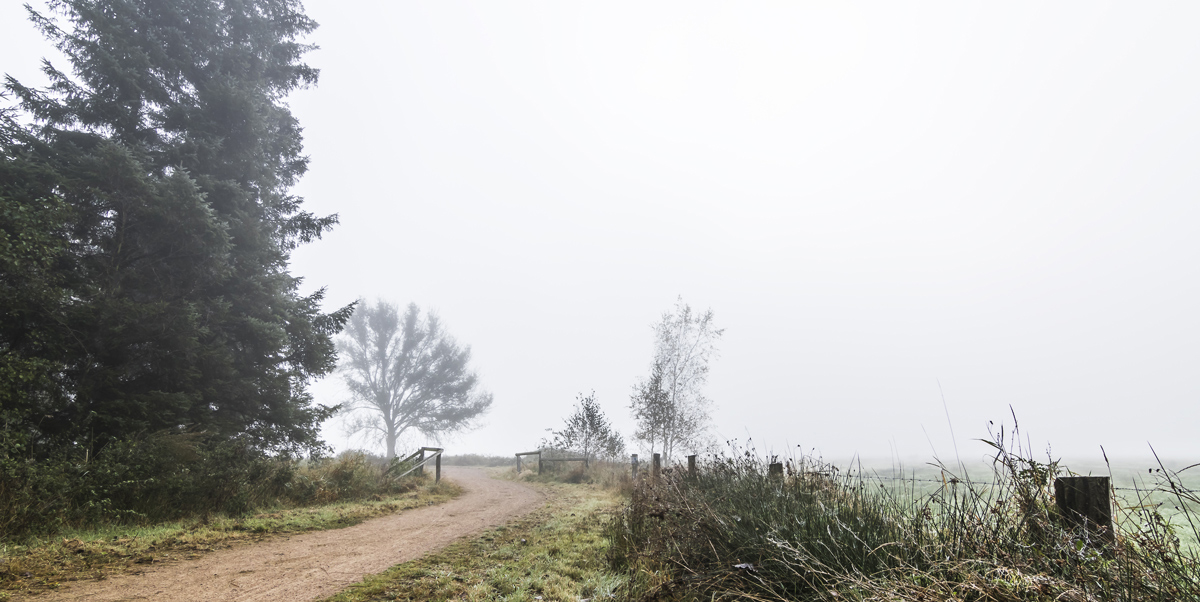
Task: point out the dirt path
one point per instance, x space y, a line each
322 563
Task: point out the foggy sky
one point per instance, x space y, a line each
872 199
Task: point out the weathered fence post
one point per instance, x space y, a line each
656 467
1085 501
634 462
520 465
437 468
775 469
692 466
421 463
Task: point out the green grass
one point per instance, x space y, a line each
555 553
94 553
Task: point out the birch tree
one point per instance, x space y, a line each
669 405
405 373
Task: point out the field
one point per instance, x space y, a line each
984 532
1136 486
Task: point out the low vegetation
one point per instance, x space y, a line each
734 532
293 497
554 553
175 476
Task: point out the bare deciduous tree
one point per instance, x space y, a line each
669 406
406 373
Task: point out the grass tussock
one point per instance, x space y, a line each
732 532
554 553
332 494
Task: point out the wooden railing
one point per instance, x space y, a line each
419 455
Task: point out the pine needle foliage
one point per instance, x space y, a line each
145 195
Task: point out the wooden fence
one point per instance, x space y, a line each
541 460
419 456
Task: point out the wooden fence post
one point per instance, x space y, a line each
437 468
1084 501
656 467
518 463
775 469
692 466
539 463
421 463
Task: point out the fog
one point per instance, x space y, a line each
907 218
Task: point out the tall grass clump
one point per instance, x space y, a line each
733 531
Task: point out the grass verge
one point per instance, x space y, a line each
555 553
735 531
100 552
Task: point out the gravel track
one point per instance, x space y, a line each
321 563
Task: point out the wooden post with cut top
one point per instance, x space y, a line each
437 469
634 463
775 469
692 466
1085 501
656 468
537 453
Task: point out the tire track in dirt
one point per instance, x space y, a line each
321 563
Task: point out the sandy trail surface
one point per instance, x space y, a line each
318 564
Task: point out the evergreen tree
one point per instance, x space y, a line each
164 162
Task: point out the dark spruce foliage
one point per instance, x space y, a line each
145 230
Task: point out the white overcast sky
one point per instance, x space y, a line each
871 197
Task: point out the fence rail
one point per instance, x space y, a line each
542 460
419 455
